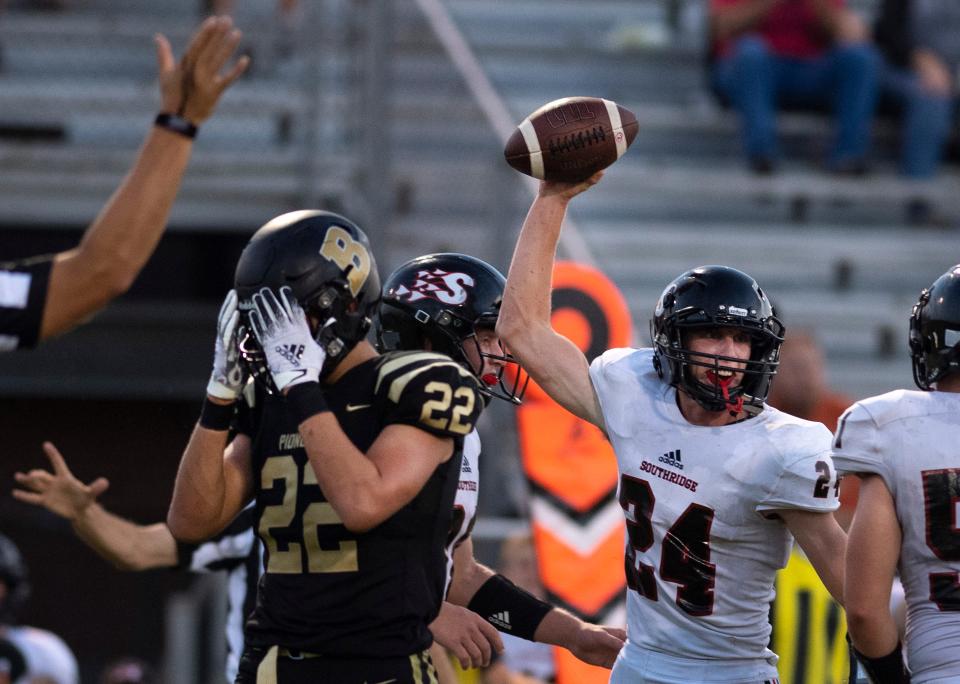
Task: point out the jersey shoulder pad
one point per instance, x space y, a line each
628 389
856 444
430 391
802 474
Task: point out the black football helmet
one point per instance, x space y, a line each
935 330
326 260
442 300
13 573
715 297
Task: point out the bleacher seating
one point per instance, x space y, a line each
680 198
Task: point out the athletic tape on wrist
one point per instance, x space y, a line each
215 416
306 400
509 608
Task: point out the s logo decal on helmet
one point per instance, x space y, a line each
325 259
440 301
716 297
449 288
935 331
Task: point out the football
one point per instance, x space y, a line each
569 140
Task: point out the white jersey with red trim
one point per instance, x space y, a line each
703 545
912 440
465 503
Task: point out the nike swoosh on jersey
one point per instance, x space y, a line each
358 407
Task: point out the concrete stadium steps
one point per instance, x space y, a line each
221 190
681 197
860 320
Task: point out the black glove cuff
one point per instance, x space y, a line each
306 400
509 608
176 124
888 669
215 416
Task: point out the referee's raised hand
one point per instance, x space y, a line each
191 87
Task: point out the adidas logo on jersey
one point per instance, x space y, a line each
501 620
291 352
672 458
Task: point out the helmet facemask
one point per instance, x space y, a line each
711 297
337 320
508 381
934 344
755 373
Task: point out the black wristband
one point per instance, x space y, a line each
176 124
509 608
306 400
888 669
217 416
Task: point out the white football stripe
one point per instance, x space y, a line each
584 539
533 148
617 125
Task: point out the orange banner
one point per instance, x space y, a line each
577 523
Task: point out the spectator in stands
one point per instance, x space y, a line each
795 53
522 662
920 42
44 296
801 389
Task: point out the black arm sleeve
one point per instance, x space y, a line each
23 296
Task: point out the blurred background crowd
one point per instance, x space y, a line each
811 143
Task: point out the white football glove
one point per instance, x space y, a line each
281 327
229 374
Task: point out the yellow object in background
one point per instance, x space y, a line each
809 627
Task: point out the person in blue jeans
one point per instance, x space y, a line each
795 53
920 43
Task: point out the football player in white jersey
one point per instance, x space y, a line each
449 303
715 485
27 654
905 445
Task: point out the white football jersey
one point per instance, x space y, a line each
465 503
912 440
703 548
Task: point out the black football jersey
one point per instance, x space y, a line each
331 591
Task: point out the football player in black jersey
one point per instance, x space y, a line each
450 303
352 459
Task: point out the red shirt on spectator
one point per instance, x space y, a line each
791 29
